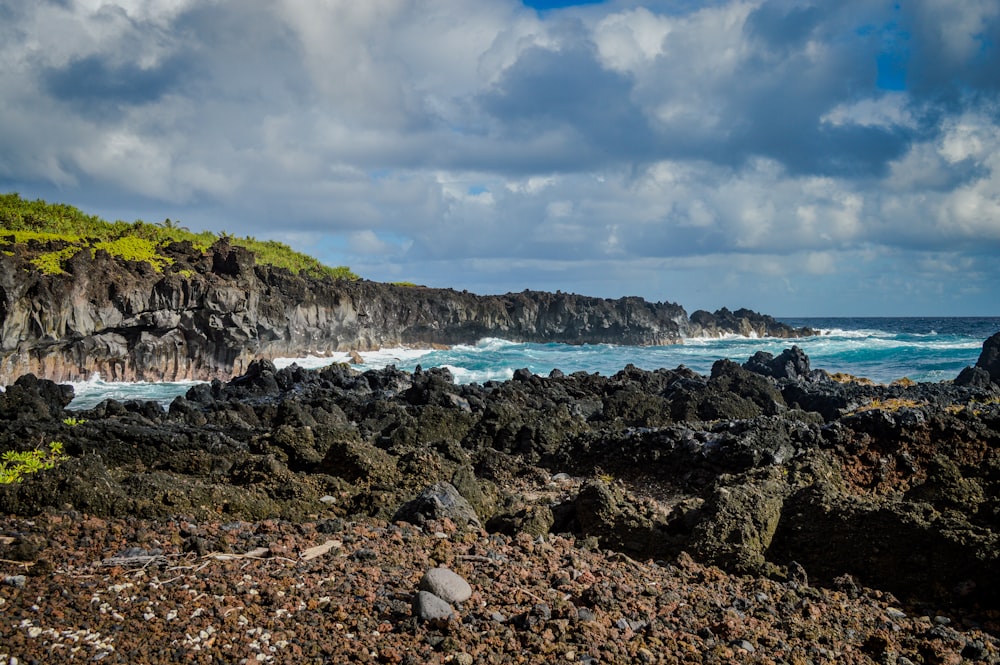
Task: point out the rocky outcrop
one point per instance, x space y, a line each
741 322
987 368
989 359
208 315
796 478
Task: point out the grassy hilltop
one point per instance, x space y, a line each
61 231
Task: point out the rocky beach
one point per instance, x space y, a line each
768 512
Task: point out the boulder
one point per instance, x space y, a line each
974 377
791 363
34 399
989 359
741 520
359 461
606 512
439 501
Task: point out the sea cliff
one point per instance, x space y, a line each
209 314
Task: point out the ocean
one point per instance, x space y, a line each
882 349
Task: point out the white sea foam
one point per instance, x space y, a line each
371 359
311 362
464 375
91 392
881 355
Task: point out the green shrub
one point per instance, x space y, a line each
51 263
272 252
15 465
135 248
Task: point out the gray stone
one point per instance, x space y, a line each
429 607
446 584
436 502
16 581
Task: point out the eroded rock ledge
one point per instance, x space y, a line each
208 315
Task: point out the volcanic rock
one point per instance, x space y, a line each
437 502
211 315
989 359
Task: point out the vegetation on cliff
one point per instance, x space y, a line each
52 233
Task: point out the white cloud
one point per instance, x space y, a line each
629 40
615 149
887 111
959 26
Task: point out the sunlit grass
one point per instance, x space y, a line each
53 233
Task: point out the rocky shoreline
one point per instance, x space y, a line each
763 513
206 315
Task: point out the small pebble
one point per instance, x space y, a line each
16 581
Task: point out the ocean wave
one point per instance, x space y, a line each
919 353
90 393
464 375
310 361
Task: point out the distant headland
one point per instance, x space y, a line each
157 302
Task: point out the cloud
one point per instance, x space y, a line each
721 153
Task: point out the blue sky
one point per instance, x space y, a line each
799 157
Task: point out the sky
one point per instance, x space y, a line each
797 157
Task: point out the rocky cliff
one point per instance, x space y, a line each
209 314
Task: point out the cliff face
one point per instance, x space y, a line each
208 315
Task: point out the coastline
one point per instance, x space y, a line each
649 516
920 357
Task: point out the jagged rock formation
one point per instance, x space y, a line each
896 486
208 315
989 359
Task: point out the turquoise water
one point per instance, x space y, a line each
882 349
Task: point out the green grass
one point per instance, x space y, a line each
52 233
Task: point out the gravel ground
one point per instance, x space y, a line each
82 589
